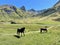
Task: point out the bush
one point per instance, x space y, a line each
13 22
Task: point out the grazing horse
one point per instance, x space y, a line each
43 29
20 30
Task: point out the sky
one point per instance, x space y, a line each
35 4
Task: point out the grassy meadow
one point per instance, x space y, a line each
33 24
52 37
8 30
12 18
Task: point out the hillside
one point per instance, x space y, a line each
54 9
10 13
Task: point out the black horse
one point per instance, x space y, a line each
20 30
43 29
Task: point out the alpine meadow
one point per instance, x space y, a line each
19 26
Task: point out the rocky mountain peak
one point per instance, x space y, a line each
23 8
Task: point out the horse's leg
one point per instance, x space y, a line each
46 30
18 33
41 31
23 33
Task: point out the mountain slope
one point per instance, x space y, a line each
9 12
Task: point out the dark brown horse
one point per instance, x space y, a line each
20 31
43 29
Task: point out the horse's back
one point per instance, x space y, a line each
20 29
43 29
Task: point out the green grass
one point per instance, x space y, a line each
11 28
52 37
